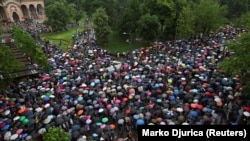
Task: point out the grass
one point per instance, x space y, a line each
64 37
118 44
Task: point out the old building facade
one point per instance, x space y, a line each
21 10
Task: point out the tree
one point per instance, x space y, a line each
8 65
130 17
28 45
244 20
185 22
55 134
101 26
209 15
238 63
58 14
148 27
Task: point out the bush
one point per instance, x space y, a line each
55 134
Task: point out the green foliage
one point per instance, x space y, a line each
29 46
8 65
238 63
59 13
101 26
240 60
55 134
130 17
244 20
209 15
185 22
148 27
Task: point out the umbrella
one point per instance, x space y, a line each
14 137
140 122
7 135
95 135
22 110
26 121
6 127
88 121
19 131
76 127
98 124
41 131
105 120
81 139
16 118
247 114
80 112
47 120
59 120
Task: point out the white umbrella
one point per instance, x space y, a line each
120 121
16 118
39 109
47 105
7 135
47 120
42 130
88 121
100 110
28 138
179 110
14 137
247 114
7 112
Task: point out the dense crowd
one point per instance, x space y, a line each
170 83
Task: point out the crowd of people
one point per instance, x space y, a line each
172 83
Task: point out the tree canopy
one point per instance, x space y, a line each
28 45
238 62
101 26
55 134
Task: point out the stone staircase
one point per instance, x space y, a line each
29 68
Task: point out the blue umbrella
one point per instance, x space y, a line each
95 135
75 127
193 113
5 127
136 116
24 135
80 98
172 98
46 98
140 122
176 92
195 91
158 100
97 81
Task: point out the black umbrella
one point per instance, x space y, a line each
59 120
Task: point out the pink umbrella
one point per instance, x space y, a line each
148 93
117 101
103 126
19 131
109 106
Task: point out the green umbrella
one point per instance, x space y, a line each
13 99
105 119
22 118
48 94
26 121
98 124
